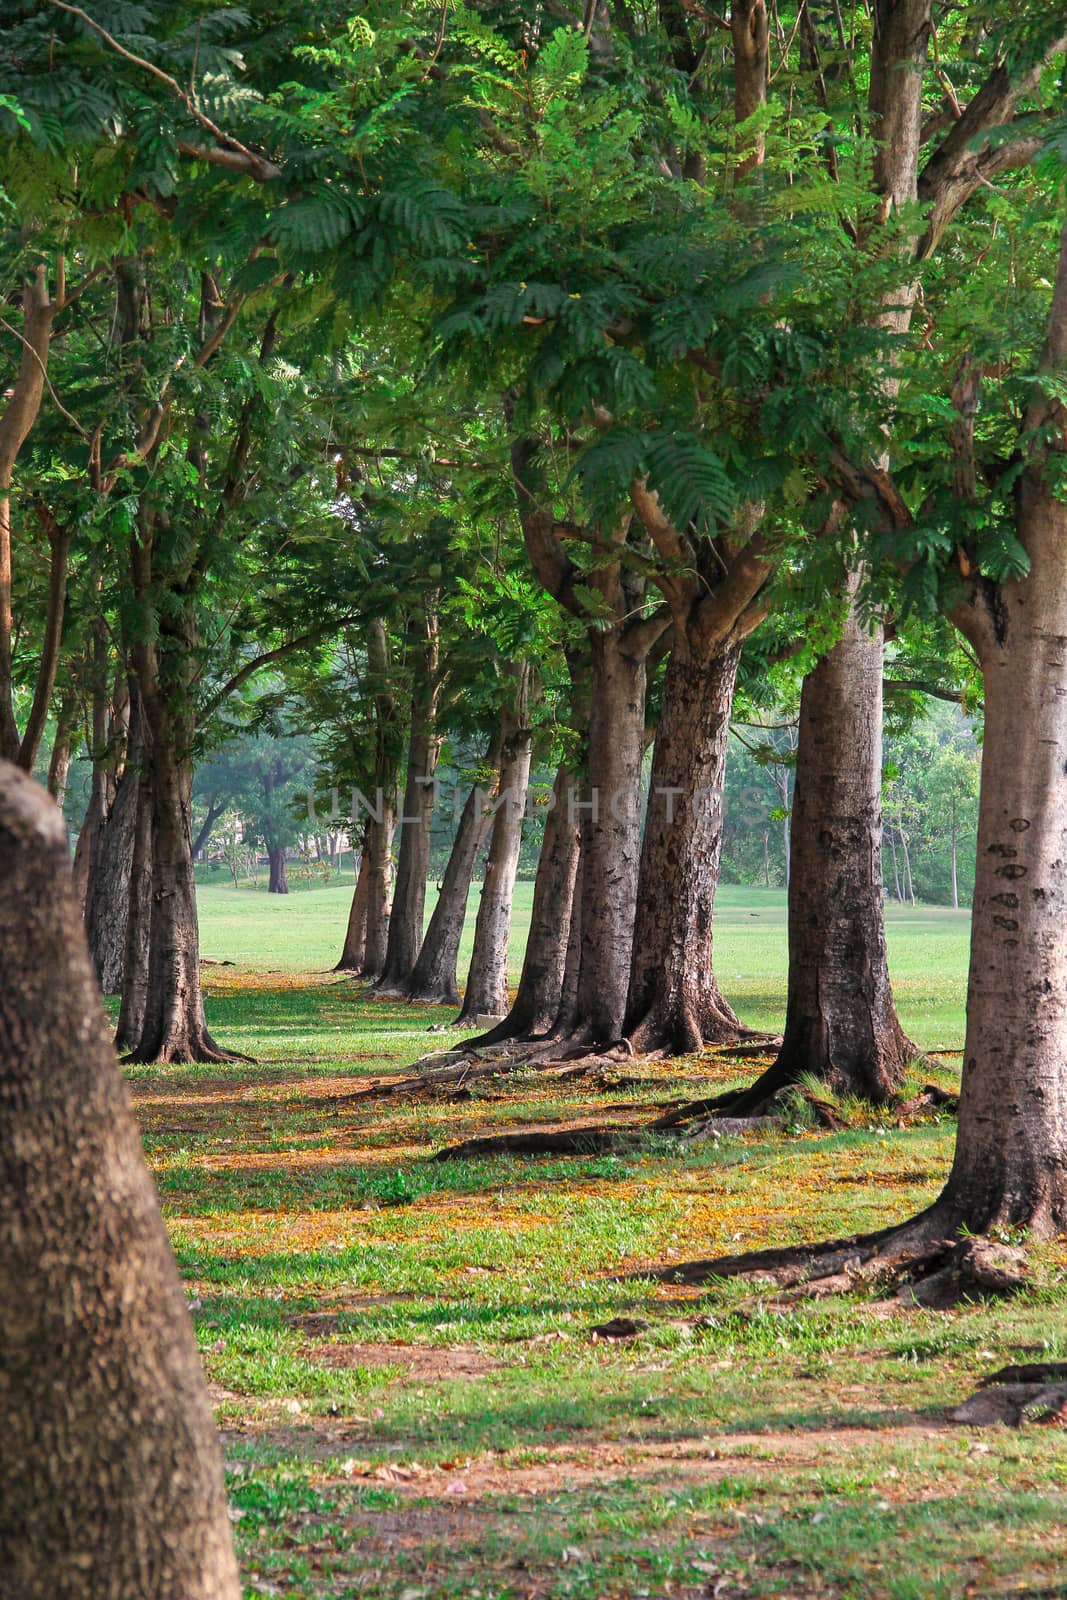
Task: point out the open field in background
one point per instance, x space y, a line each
412 1403
303 932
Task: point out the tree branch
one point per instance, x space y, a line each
250 668
550 561
962 161
256 165
59 544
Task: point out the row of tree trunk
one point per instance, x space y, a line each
621 937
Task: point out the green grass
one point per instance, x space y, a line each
302 932
413 1406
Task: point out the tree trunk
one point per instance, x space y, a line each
107 893
413 865
896 871
379 885
355 945
434 978
486 993
175 1028
138 925
567 1015
59 761
279 878
910 886
108 739
1010 1166
675 1004
841 1024
611 838
537 1004
19 414
110 1475
787 835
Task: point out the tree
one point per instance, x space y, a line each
433 980
424 748
487 979
111 1475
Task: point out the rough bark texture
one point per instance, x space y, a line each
486 993
750 31
537 1002
714 590
355 945
611 836
567 1015
610 828
674 1001
138 925
841 1024
379 886
110 1475
175 1028
59 760
434 978
23 403
898 55
278 882
107 892
413 864
1010 1166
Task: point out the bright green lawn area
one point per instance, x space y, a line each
412 1402
302 932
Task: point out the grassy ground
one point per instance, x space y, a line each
413 1403
301 932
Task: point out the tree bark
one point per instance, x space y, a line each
23 404
135 959
434 978
379 886
750 30
538 1001
355 945
175 1028
413 865
59 760
841 1024
164 654
675 1003
486 993
567 1014
1010 1165
110 1476
278 882
611 836
107 894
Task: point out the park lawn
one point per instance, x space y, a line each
412 1403
303 931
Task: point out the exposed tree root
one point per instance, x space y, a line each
1014 1404
929 1098
563 1142
722 1117
755 1044
922 1259
464 1066
1033 1392
204 1052
458 1074
581 1141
